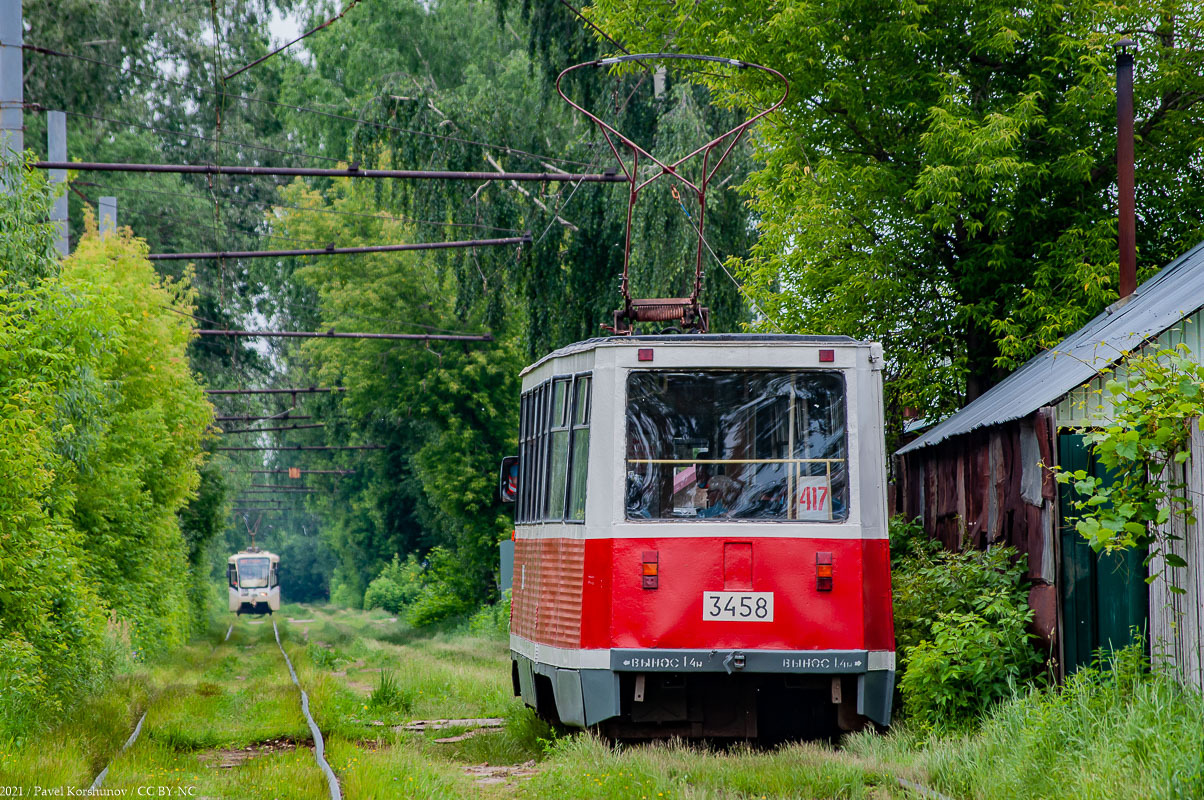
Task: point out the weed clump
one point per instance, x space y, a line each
390 696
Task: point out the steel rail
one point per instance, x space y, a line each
319 745
100 779
320 172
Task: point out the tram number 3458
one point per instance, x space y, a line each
738 606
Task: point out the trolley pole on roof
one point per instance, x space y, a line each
12 82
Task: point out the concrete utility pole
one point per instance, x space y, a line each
56 150
108 216
12 91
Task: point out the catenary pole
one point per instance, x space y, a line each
108 216
56 148
12 83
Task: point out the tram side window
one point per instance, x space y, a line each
737 445
524 458
578 472
558 464
554 451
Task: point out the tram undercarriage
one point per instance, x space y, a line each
766 706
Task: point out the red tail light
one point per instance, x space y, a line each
650 569
823 572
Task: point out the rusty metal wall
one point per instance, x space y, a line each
991 486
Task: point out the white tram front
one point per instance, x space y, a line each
253 575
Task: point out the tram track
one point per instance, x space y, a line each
319 744
331 779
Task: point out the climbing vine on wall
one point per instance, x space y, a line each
1144 446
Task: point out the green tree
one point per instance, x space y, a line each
943 176
100 433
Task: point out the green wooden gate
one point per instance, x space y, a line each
1104 597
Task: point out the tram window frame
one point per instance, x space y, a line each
579 420
840 480
559 430
537 433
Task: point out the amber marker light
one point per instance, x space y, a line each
823 572
650 571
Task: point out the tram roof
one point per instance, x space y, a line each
251 553
690 338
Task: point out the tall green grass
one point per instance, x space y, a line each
1114 733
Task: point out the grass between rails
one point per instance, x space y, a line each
230 704
1116 734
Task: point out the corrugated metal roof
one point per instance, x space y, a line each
1172 294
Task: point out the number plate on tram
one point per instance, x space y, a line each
738 606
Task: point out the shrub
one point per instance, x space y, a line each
961 626
344 596
490 620
101 425
928 581
398 585
972 661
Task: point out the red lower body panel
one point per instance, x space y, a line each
574 593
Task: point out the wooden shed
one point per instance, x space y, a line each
979 477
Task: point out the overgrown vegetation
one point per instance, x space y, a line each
1143 441
940 178
961 627
102 426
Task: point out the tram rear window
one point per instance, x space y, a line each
736 445
253 572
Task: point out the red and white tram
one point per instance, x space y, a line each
701 537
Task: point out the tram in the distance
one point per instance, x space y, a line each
701 537
254 579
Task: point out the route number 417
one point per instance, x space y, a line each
813 497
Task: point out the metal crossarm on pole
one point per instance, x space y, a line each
331 250
304 447
420 337
275 417
298 390
351 172
281 428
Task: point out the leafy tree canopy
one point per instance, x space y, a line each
943 176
